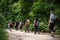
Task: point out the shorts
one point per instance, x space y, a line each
27 27
20 27
11 26
36 28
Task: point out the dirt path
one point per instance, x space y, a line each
18 35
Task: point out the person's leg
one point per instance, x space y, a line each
52 29
16 27
35 30
21 28
26 29
38 30
10 28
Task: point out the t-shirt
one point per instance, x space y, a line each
52 18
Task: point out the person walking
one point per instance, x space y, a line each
51 23
10 25
16 25
36 24
21 25
27 23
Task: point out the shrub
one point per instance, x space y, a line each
43 27
3 34
31 27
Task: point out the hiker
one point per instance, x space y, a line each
21 25
36 24
16 25
27 23
10 25
52 23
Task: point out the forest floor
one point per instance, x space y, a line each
18 35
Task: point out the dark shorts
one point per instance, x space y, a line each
16 26
51 28
36 28
11 26
20 27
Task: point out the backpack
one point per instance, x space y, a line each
36 23
56 18
28 22
10 23
21 24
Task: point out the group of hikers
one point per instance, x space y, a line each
51 24
27 24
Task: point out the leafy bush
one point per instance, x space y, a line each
31 27
3 34
43 27
57 29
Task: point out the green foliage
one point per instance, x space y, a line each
2 20
20 9
3 34
31 27
57 12
43 27
57 30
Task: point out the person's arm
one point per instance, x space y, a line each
49 21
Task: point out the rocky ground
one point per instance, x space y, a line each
18 35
